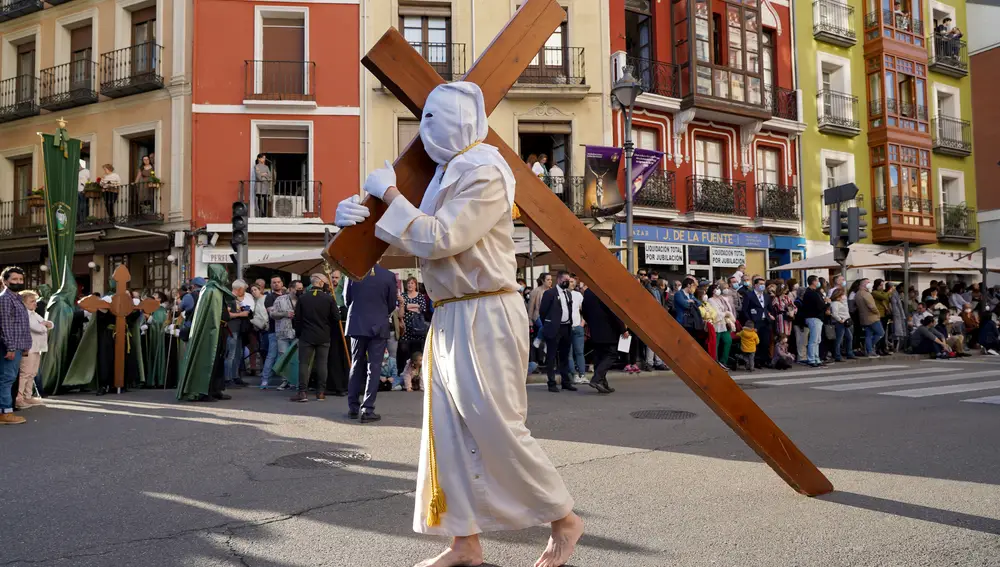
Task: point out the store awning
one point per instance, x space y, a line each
311 261
855 259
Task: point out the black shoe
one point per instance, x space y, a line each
103 390
816 365
352 415
599 387
554 389
608 386
569 387
370 416
220 396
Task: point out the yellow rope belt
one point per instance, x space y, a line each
438 505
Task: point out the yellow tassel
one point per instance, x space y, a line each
515 212
437 505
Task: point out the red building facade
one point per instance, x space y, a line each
279 79
721 102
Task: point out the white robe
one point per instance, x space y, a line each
494 474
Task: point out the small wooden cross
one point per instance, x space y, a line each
121 306
356 249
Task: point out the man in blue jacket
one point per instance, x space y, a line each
369 303
757 308
557 322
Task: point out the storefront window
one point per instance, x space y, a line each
699 255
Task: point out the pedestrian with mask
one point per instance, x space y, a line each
270 334
869 316
15 340
314 319
281 314
556 313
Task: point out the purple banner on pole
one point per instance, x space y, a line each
645 163
600 181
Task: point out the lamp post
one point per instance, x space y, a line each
626 90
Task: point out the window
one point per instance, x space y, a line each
767 165
952 187
157 271
144 40
22 177
708 158
831 176
429 35
281 71
25 82
646 138
81 56
551 60
638 32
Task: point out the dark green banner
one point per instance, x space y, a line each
62 166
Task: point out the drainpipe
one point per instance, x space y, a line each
798 143
364 94
472 9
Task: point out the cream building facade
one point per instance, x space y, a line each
559 105
118 71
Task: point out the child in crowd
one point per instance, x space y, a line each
411 374
748 344
388 376
783 360
26 396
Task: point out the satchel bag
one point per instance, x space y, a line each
693 319
829 332
419 326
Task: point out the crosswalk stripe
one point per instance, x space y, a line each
816 372
906 381
987 400
940 390
847 377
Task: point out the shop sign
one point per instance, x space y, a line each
212 257
647 233
728 257
664 254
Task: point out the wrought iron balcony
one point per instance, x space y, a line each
283 199
22 217
10 9
784 103
132 70
556 66
956 223
903 21
833 22
837 113
949 56
656 77
778 202
18 98
133 204
279 81
658 193
68 85
569 189
448 59
952 136
716 195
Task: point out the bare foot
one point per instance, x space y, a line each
565 533
464 552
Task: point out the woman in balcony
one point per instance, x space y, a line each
110 184
262 184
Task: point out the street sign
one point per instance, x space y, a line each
840 193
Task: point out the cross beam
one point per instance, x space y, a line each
411 79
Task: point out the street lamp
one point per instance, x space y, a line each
626 89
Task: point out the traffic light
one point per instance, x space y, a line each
836 226
857 226
240 235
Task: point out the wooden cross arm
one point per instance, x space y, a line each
93 304
147 306
411 78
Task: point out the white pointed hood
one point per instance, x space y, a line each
453 126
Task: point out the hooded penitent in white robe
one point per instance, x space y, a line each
493 472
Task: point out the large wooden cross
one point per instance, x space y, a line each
121 306
356 249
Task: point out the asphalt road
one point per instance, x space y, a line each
140 480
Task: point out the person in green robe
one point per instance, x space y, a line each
201 374
135 368
156 344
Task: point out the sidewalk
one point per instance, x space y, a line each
540 377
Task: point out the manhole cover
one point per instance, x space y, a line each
662 414
321 460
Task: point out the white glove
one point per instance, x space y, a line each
380 180
144 328
350 212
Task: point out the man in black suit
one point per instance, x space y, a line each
605 330
757 308
557 322
369 303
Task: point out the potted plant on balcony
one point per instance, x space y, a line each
154 181
36 200
92 189
107 187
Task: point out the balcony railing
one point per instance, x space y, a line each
952 136
279 80
956 223
448 59
902 108
10 9
903 21
132 204
18 98
68 85
282 199
779 202
784 103
22 217
838 113
656 77
833 22
556 66
658 193
132 70
716 196
569 189
949 56
907 204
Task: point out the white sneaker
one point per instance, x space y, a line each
397 388
579 379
